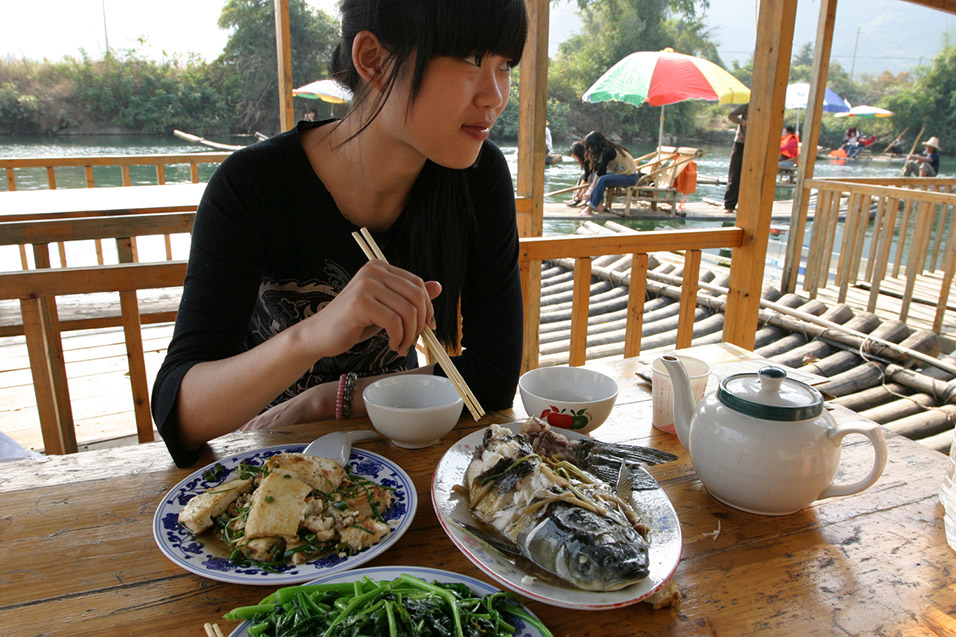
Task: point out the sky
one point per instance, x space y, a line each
871 35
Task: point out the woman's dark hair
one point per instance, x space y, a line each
595 145
577 150
432 235
790 129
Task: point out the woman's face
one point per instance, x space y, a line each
457 104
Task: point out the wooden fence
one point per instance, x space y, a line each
23 165
911 227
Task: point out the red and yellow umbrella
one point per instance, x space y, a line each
666 77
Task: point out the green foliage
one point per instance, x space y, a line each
249 60
238 92
931 100
611 30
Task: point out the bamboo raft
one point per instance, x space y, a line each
883 369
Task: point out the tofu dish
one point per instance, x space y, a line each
292 509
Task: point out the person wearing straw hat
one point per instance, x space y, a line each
283 317
925 164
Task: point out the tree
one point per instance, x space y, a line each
611 30
249 65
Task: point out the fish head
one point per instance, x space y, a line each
591 551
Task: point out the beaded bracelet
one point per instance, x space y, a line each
340 397
347 394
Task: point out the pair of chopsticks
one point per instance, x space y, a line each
213 630
368 245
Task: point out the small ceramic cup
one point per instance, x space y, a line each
413 410
662 390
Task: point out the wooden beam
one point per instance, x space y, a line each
284 60
758 174
808 152
532 112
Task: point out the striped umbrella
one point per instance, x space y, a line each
325 90
865 111
665 77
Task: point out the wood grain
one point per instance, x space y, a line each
876 563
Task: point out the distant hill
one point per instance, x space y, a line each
894 35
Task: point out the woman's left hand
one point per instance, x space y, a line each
316 403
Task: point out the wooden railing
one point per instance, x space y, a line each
37 291
115 164
910 224
122 163
638 245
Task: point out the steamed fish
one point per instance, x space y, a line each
554 513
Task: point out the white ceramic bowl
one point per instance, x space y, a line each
413 410
568 397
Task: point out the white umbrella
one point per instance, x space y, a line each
798 94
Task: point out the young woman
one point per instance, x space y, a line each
612 165
282 315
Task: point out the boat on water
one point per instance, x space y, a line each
196 139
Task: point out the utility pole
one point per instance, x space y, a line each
106 35
853 63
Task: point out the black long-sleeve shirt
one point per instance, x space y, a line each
270 248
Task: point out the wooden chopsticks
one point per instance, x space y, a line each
213 630
372 251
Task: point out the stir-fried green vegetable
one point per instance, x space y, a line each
402 607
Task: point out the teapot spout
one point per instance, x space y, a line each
684 402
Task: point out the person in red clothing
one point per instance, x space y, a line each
789 147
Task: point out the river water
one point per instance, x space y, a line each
714 163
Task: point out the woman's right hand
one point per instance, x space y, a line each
379 297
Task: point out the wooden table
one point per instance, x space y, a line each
77 554
28 205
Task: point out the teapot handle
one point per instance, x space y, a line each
875 434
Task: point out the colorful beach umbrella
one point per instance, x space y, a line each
666 77
866 112
325 90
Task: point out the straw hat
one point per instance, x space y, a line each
934 142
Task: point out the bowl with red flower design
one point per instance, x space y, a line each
568 397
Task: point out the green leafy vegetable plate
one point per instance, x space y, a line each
388 573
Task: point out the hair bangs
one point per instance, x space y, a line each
461 28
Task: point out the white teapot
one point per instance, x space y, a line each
763 443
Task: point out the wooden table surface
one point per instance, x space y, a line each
77 555
26 205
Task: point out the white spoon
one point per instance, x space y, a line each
337 445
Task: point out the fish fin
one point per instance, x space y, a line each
603 460
478 534
608 470
625 482
634 454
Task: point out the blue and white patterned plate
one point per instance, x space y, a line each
181 546
450 507
388 573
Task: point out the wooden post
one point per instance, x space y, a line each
759 171
808 151
532 113
284 58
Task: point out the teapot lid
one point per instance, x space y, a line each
770 395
